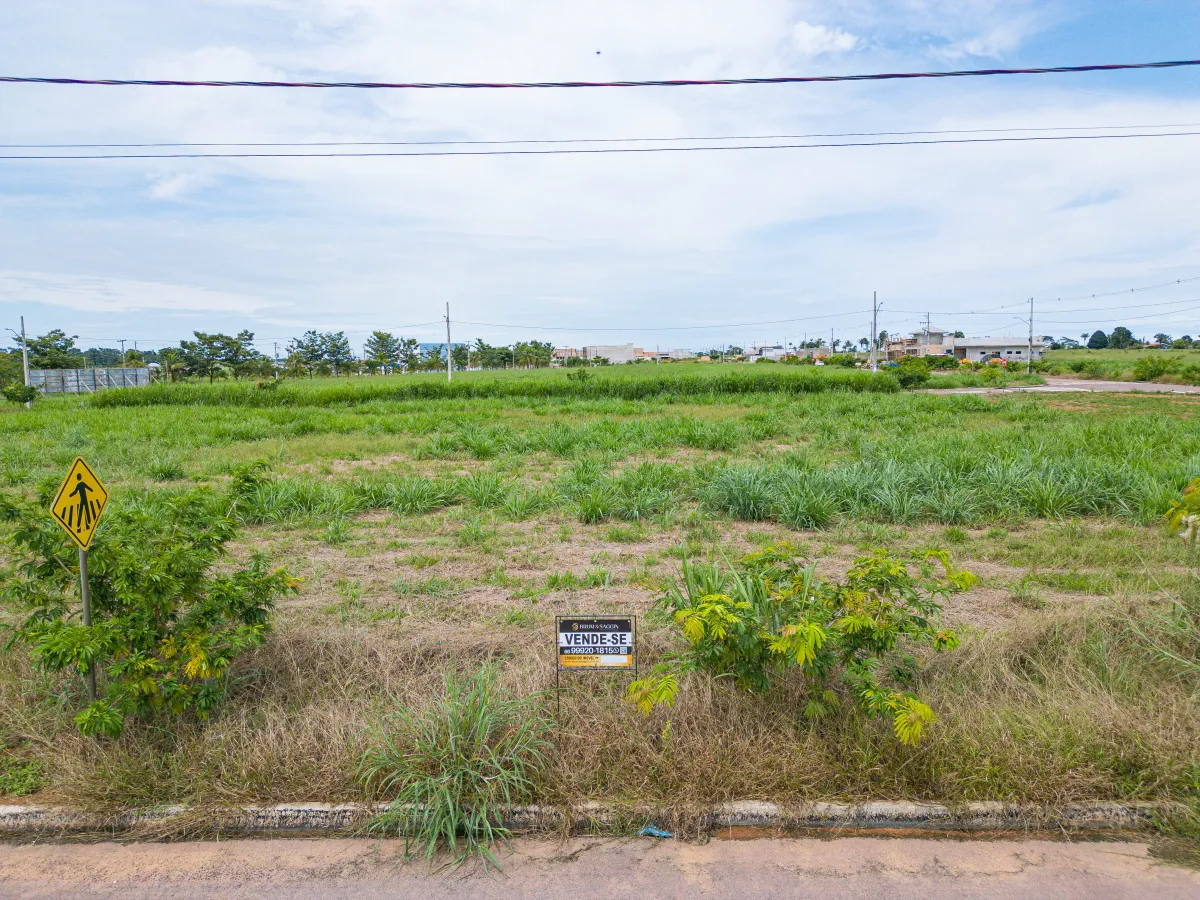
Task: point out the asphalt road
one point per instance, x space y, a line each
586 868
1078 386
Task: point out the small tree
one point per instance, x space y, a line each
338 353
410 354
238 353
1122 339
165 626
770 614
203 355
54 350
381 350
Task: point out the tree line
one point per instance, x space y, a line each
218 355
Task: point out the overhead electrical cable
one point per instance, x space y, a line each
563 151
610 140
673 82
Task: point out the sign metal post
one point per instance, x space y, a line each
77 508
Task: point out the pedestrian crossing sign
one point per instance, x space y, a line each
79 503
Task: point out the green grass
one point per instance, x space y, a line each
1122 365
444 533
452 769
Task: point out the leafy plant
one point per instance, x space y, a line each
772 615
20 777
336 532
1183 518
451 769
20 393
165 627
912 372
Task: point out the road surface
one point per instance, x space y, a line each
1076 385
609 868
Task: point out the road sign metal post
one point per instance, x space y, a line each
86 592
77 508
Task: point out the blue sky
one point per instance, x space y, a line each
597 249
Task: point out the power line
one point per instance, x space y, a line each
626 140
1133 290
600 150
678 82
1157 315
1057 311
623 330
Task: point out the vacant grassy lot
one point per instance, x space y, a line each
1119 365
445 530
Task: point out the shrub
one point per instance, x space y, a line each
165 627
774 615
1183 518
1150 367
912 372
943 362
19 393
450 770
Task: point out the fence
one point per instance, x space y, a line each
81 381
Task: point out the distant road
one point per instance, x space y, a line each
1077 385
609 868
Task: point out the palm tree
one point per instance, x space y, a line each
171 363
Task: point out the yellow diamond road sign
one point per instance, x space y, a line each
79 503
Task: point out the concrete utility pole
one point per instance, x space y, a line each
874 331
122 342
1029 362
25 360
449 348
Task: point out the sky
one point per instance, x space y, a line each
658 249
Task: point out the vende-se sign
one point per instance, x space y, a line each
596 642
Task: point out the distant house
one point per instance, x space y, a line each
756 352
1006 348
559 354
929 341
614 353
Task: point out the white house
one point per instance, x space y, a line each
1007 348
614 353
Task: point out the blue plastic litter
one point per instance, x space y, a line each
651 831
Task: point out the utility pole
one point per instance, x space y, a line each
122 352
449 348
1029 362
830 341
874 331
25 360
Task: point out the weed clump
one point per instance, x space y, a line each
452 769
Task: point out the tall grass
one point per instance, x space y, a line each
338 392
452 768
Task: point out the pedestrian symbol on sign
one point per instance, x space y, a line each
79 503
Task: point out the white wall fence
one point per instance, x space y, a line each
83 381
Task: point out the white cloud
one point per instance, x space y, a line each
173 187
812 40
623 240
93 294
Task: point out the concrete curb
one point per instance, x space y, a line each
345 817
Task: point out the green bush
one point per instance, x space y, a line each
451 770
771 614
165 626
912 372
1150 367
943 362
19 393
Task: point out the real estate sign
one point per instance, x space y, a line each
596 642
